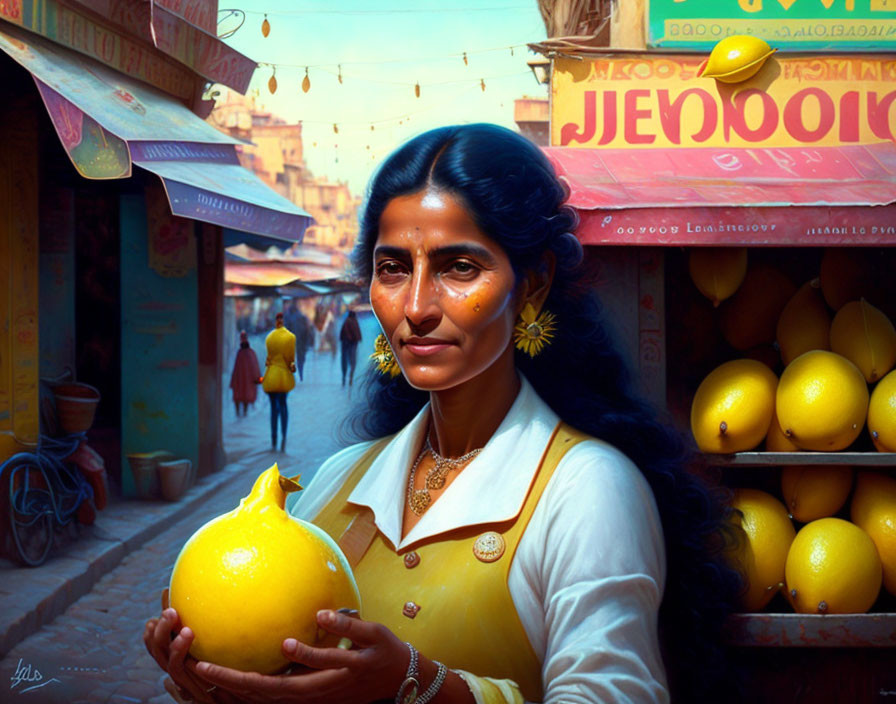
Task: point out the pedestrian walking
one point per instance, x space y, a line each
278 376
349 337
245 376
304 332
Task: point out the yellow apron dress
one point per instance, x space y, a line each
281 347
449 596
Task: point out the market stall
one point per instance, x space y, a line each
795 170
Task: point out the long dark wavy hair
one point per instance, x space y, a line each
512 192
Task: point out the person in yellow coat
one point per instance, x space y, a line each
278 376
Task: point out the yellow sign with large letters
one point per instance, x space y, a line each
648 101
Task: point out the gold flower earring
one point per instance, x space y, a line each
384 357
532 332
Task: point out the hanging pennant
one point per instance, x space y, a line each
265 27
417 89
306 82
511 51
335 128
339 74
465 59
272 81
482 84
371 128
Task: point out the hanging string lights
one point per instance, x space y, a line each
272 81
417 89
265 27
306 82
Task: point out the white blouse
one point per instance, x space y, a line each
587 578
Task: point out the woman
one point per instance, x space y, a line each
245 376
529 555
278 376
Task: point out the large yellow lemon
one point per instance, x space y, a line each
822 401
252 577
866 337
811 493
769 534
717 271
804 324
750 316
882 414
737 58
733 406
873 509
832 568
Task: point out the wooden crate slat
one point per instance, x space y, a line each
877 630
762 459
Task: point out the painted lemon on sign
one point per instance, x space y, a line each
737 58
873 509
252 577
822 401
733 406
832 568
769 535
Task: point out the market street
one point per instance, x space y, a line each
94 651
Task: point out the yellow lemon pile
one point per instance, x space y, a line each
822 401
717 272
832 567
763 555
252 577
733 406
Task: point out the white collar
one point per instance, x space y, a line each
502 472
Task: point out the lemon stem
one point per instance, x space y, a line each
270 489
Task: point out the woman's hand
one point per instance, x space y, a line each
373 669
169 644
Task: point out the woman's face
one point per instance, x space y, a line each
442 290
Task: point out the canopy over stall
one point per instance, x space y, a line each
726 195
107 121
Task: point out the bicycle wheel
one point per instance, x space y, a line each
31 514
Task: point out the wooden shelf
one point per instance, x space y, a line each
777 459
876 630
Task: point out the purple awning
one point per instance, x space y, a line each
107 122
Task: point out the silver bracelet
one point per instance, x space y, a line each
435 686
407 692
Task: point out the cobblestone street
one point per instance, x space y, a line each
93 651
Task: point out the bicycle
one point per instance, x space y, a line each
45 492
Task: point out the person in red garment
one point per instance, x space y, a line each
245 377
520 525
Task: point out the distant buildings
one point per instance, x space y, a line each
276 156
531 118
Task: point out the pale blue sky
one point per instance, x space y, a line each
385 47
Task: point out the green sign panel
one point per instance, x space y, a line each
791 25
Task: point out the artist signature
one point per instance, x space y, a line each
29 676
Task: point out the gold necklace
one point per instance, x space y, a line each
420 499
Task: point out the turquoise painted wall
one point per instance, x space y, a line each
159 348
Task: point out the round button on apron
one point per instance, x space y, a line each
411 560
410 609
489 546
